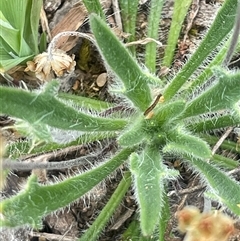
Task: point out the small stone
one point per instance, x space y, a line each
101 80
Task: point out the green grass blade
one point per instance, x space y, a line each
43 42
100 222
129 16
122 63
225 162
220 28
153 32
86 102
94 6
30 31
179 13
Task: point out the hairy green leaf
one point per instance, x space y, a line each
94 6
183 143
134 134
219 121
223 189
179 13
222 95
36 201
46 108
122 63
168 112
86 102
149 189
220 28
153 32
129 16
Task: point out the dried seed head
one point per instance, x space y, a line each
187 217
46 66
211 226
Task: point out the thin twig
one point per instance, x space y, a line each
187 190
144 42
26 166
184 198
117 14
234 171
221 140
41 162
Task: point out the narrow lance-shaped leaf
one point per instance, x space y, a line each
86 102
208 124
129 16
179 13
223 95
94 6
16 149
31 25
224 189
225 162
227 144
122 63
153 32
46 108
183 143
149 189
221 26
35 201
134 134
207 71
167 112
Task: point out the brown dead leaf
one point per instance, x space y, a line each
44 23
71 22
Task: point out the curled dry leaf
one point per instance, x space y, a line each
45 66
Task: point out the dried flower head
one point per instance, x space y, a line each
45 65
211 226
